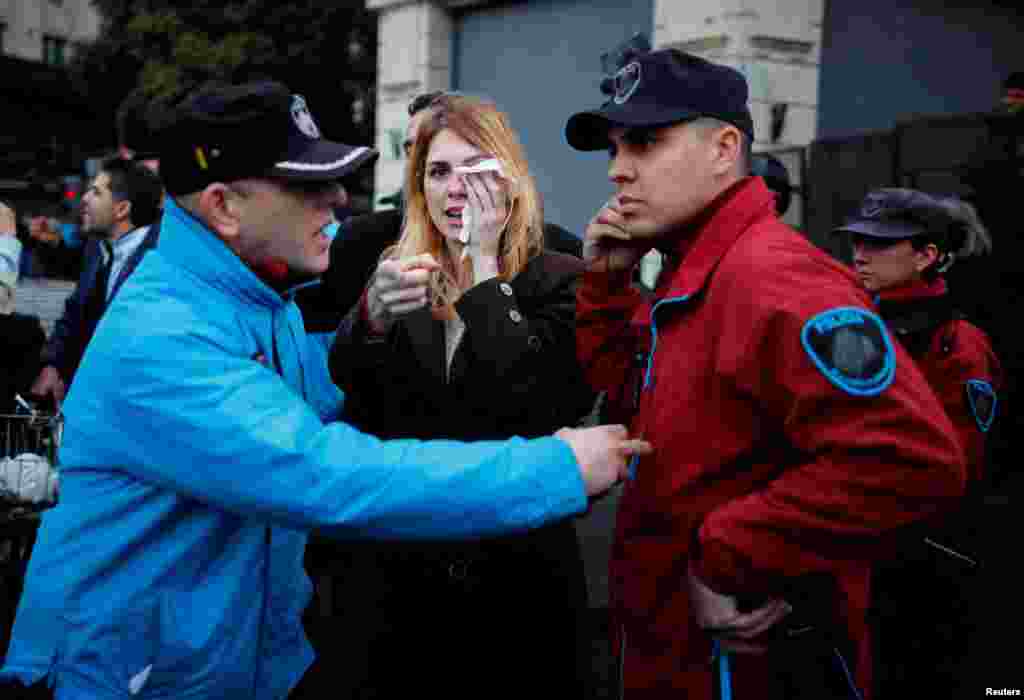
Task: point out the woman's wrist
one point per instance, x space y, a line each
374 325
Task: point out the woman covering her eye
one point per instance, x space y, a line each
466 331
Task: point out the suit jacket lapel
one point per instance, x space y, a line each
133 260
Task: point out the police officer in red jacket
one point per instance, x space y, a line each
904 241
793 438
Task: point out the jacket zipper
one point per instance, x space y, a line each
649 374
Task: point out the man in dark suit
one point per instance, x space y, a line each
118 210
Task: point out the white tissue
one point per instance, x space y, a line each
491 165
29 478
467 224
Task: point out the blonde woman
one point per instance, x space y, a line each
466 331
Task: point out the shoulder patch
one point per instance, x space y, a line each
982 400
851 347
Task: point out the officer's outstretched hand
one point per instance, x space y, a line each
607 244
719 615
603 453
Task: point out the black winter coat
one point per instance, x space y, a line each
21 341
474 611
514 373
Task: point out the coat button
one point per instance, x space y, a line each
505 288
534 342
515 316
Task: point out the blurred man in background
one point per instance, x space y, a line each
118 210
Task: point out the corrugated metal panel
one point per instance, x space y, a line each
541 62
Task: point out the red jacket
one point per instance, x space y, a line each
956 358
766 473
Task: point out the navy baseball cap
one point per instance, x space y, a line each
896 213
661 88
231 132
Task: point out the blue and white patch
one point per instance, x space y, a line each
851 347
982 400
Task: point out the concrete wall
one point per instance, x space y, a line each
776 44
28 21
414 56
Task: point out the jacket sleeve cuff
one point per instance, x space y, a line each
561 471
605 284
724 570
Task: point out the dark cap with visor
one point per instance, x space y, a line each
895 214
223 133
661 88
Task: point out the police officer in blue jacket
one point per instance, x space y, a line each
200 448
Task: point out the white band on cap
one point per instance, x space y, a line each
320 167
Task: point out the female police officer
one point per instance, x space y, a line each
903 243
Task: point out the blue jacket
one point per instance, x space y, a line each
192 470
70 335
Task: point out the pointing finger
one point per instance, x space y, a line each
414 278
403 295
641 448
408 307
389 270
424 261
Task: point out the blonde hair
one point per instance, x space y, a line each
481 124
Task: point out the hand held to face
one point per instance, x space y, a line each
603 453
486 212
607 243
399 287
